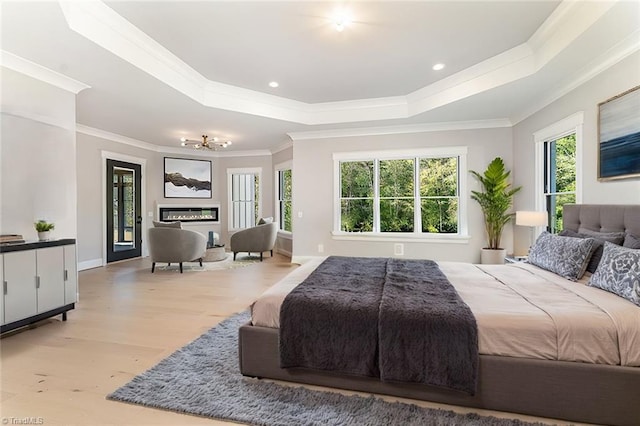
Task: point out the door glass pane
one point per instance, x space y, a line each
124 197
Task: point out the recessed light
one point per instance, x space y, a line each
274 84
438 67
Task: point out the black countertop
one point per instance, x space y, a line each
30 245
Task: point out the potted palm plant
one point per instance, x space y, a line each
43 228
495 199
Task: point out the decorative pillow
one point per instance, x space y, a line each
619 272
175 224
612 237
566 256
265 220
631 241
598 244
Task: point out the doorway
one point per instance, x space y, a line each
123 210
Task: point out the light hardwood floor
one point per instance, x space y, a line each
126 321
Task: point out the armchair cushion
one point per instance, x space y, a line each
176 224
258 239
173 245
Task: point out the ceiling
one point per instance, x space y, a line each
161 70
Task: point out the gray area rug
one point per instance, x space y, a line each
226 263
203 378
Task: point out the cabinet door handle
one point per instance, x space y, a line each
66 275
37 281
4 287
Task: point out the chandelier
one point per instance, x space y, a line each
206 143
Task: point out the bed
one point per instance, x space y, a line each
587 376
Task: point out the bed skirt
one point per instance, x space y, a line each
580 392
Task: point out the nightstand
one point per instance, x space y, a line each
515 259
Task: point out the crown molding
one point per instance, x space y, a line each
282 147
395 130
103 134
40 118
33 70
114 137
97 22
622 50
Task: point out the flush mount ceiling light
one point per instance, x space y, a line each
274 84
212 144
341 19
438 67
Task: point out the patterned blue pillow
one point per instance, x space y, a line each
619 272
566 256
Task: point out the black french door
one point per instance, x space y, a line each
124 212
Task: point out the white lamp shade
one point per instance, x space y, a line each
530 218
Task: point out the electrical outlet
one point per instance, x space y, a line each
300 214
398 249
150 214
320 248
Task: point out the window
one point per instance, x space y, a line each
244 197
559 178
283 205
401 192
557 160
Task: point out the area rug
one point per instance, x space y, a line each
203 379
227 263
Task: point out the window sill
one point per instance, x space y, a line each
287 235
401 237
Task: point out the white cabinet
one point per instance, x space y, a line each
49 278
2 282
70 274
39 281
20 298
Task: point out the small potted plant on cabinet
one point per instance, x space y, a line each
44 229
495 199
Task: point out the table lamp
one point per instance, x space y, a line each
531 219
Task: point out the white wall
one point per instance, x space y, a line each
313 192
90 204
617 79
37 157
91 246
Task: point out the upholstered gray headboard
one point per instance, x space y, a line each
602 217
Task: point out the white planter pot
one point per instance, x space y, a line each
44 235
492 257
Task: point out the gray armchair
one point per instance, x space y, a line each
174 245
258 239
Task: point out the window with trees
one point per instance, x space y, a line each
559 177
244 197
401 194
558 171
284 182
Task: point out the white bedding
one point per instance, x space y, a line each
522 311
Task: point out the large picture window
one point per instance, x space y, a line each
404 193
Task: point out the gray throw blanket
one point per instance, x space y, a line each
400 320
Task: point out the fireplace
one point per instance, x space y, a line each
171 213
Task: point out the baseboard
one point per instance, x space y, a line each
283 252
303 259
89 264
